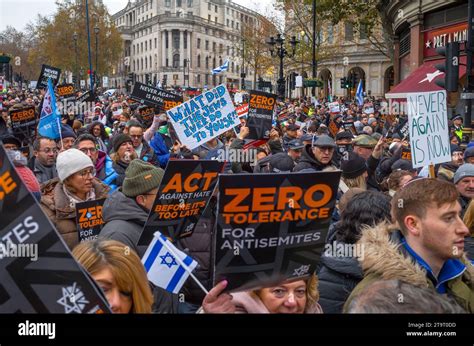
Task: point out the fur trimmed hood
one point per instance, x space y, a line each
385 257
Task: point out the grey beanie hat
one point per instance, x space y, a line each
466 170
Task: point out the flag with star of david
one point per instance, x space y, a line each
166 266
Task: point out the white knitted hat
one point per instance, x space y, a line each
71 161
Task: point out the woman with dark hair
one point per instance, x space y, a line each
339 271
97 129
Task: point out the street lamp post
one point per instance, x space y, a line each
89 45
96 31
74 37
242 74
281 52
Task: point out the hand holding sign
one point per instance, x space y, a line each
217 302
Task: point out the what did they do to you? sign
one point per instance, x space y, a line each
428 125
204 117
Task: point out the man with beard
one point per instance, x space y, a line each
317 156
43 163
448 169
464 181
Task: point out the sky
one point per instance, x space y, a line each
18 13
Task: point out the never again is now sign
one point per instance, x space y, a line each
428 126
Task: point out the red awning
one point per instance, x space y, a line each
423 79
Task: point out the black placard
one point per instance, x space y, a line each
260 115
48 72
155 97
88 96
37 271
89 219
184 192
23 122
271 227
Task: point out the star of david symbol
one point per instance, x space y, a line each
301 270
73 299
168 260
428 44
88 215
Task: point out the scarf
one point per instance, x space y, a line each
73 199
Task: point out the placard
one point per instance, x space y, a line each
48 72
89 219
155 97
23 122
65 91
183 194
260 114
271 227
204 117
38 273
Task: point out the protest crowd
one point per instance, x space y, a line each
388 228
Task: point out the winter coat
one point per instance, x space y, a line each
161 144
286 142
42 173
61 212
249 303
337 278
469 247
105 170
198 246
148 154
263 165
119 168
124 220
308 160
386 258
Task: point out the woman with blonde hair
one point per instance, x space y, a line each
354 171
469 222
119 272
296 296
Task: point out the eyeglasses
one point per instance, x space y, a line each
49 150
86 172
90 150
136 136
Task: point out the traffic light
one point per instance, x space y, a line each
343 83
450 66
260 83
165 79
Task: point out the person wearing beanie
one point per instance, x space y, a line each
318 155
354 171
126 211
448 169
464 181
68 136
280 163
122 156
76 182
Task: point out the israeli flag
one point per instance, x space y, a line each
166 266
222 68
359 94
50 119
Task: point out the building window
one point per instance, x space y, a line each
209 18
190 3
232 24
330 34
209 6
199 61
207 62
178 3
215 9
156 43
167 62
214 47
349 31
228 50
176 60
146 46
220 79
185 40
232 67
190 14
166 40
237 24
198 43
228 22
141 47
175 39
207 79
150 64
215 19
198 78
228 11
207 45
363 32
146 63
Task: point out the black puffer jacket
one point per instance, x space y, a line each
120 168
308 160
198 246
337 278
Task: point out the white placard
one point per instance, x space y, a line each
299 82
83 83
204 117
428 126
334 107
105 81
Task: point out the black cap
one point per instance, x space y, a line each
10 139
353 167
344 135
281 162
292 127
402 165
456 116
